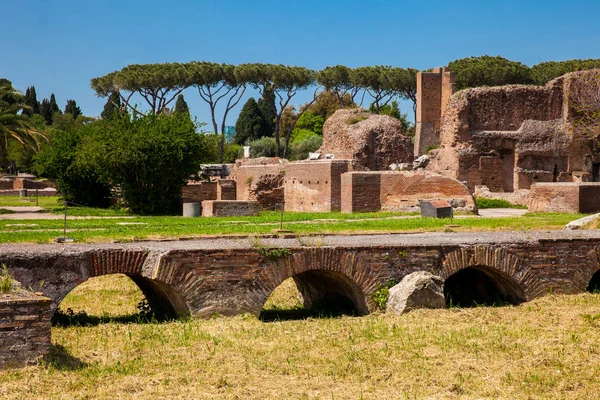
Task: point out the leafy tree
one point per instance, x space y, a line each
311 122
72 108
149 157
285 82
266 105
181 106
53 104
263 147
157 84
584 99
328 103
488 71
77 179
250 124
14 125
384 83
546 71
112 107
300 148
338 80
45 111
218 83
31 101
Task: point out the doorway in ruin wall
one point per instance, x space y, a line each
596 172
508 170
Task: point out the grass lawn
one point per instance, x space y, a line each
137 228
546 348
125 227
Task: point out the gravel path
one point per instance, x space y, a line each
373 240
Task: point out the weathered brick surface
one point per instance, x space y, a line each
198 192
239 278
400 191
565 197
262 182
226 189
512 136
314 186
230 208
24 329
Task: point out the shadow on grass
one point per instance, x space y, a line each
327 309
69 318
60 359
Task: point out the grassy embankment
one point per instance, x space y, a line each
547 348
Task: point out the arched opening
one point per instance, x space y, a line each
118 298
594 285
315 293
478 285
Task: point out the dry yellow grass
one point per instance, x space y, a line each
547 348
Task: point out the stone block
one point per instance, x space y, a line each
191 209
436 209
420 289
230 208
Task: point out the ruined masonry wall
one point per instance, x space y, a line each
24 330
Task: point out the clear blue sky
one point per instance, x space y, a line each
59 45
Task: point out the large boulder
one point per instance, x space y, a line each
420 289
374 141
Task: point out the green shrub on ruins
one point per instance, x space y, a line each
6 281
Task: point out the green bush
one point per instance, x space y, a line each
263 147
76 179
150 158
299 149
496 203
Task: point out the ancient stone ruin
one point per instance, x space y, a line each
24 327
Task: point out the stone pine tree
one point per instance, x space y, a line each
181 105
112 106
73 109
266 105
31 101
250 124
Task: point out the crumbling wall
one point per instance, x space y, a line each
401 191
509 137
260 179
373 141
24 328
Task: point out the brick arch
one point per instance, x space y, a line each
339 266
499 261
582 278
154 278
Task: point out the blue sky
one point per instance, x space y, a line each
59 45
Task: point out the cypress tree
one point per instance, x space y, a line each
73 109
266 106
31 101
53 105
112 106
45 111
250 124
181 107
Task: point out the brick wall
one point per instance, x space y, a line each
554 197
198 192
24 329
314 186
229 208
246 177
400 191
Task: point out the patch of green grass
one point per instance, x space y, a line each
496 203
149 228
357 119
3 211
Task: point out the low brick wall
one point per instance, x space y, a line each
229 208
565 197
24 329
401 191
198 192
